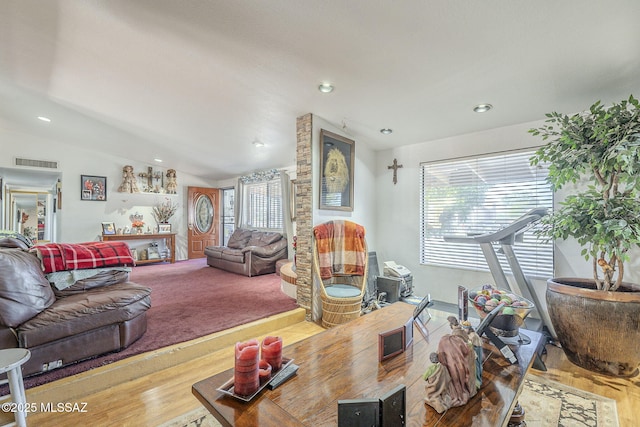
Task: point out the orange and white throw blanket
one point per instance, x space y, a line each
341 248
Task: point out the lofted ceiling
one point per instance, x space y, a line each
195 83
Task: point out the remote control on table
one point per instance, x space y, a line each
283 376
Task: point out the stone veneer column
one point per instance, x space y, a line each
304 212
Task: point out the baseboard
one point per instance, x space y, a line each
134 367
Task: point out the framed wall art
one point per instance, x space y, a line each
93 187
337 157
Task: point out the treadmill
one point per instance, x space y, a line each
506 237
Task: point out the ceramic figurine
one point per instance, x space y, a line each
172 183
129 184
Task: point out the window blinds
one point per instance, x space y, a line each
481 195
264 205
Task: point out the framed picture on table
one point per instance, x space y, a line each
391 343
164 228
108 228
153 252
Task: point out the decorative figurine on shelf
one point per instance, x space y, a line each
172 183
129 184
137 222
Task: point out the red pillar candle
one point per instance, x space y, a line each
264 371
246 378
272 351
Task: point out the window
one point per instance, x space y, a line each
263 204
481 195
228 217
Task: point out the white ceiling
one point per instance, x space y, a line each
196 82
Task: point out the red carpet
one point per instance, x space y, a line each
189 300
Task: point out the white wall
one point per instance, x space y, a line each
80 221
398 206
364 194
364 203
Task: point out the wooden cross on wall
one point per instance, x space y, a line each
395 168
149 176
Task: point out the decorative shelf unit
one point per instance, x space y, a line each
169 238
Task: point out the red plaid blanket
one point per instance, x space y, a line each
341 248
78 256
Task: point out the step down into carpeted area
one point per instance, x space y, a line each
140 365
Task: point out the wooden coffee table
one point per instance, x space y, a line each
342 363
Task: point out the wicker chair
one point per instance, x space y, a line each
341 294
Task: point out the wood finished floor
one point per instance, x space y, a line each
160 396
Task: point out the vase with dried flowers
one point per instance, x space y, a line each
162 212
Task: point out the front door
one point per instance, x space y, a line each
203 219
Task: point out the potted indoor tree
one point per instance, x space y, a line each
596 320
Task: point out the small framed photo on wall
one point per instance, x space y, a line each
93 188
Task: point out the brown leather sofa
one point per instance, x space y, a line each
248 252
94 316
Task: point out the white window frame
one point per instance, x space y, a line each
480 195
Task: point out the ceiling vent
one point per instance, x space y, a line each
46 164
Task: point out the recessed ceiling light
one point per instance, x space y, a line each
482 108
157 160
258 143
386 131
325 88
44 119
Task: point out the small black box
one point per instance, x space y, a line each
393 407
359 413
